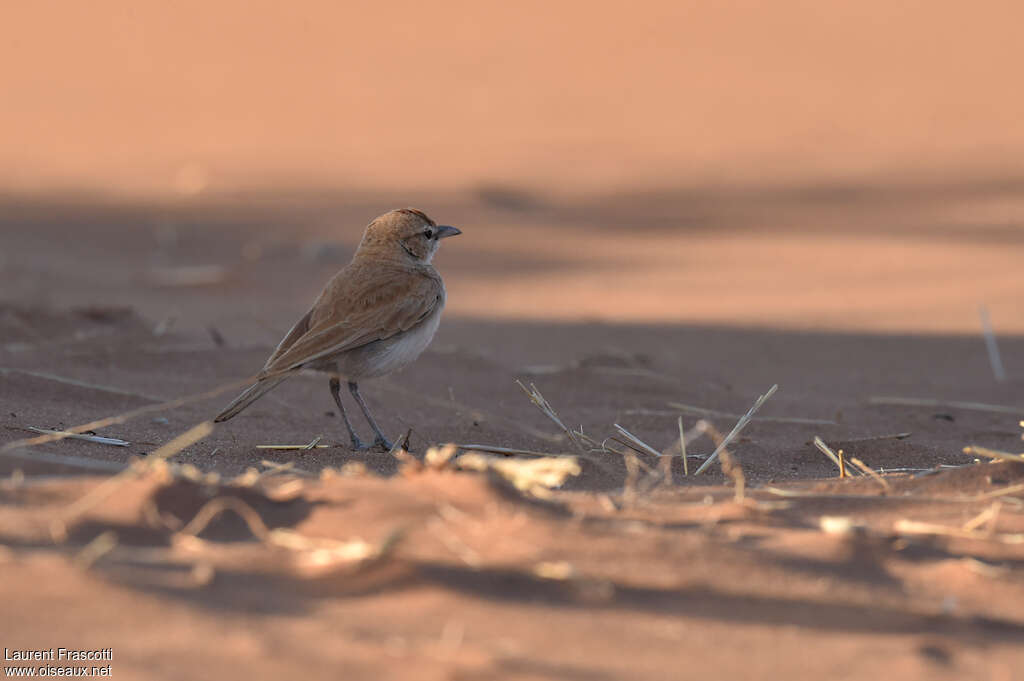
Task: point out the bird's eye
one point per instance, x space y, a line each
429 233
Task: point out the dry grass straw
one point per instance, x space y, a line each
37 455
1006 491
874 476
634 446
989 517
914 527
188 275
439 458
994 358
126 416
942 404
875 438
585 445
478 414
112 441
579 440
277 468
536 477
826 450
80 384
315 444
630 487
463 551
682 452
994 454
312 555
636 443
701 411
98 494
101 545
837 458
494 449
732 468
740 425
215 507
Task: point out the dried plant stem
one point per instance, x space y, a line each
873 438
913 527
127 416
538 400
925 402
494 449
583 443
869 471
112 441
448 403
101 545
274 468
637 441
987 517
994 359
1002 492
80 384
994 453
740 425
732 468
37 455
701 411
110 485
215 507
826 450
682 447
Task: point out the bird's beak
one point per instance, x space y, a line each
446 231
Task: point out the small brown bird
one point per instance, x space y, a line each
375 316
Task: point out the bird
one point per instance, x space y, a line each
376 315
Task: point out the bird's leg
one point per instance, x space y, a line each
380 440
357 444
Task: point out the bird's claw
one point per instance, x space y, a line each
383 444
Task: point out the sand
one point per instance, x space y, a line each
667 209
113 307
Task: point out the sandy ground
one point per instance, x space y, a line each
129 97
615 310
667 209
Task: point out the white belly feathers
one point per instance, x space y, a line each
384 356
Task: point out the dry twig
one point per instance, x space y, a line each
702 411
740 425
112 441
926 402
869 471
993 453
110 485
991 346
126 416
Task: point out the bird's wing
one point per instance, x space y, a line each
378 306
301 328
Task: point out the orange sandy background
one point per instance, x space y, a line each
795 164
667 208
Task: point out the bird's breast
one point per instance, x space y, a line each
390 354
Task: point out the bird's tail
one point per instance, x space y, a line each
248 396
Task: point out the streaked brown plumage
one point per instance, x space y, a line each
374 316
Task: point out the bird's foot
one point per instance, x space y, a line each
360 446
379 443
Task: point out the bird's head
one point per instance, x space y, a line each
405 232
